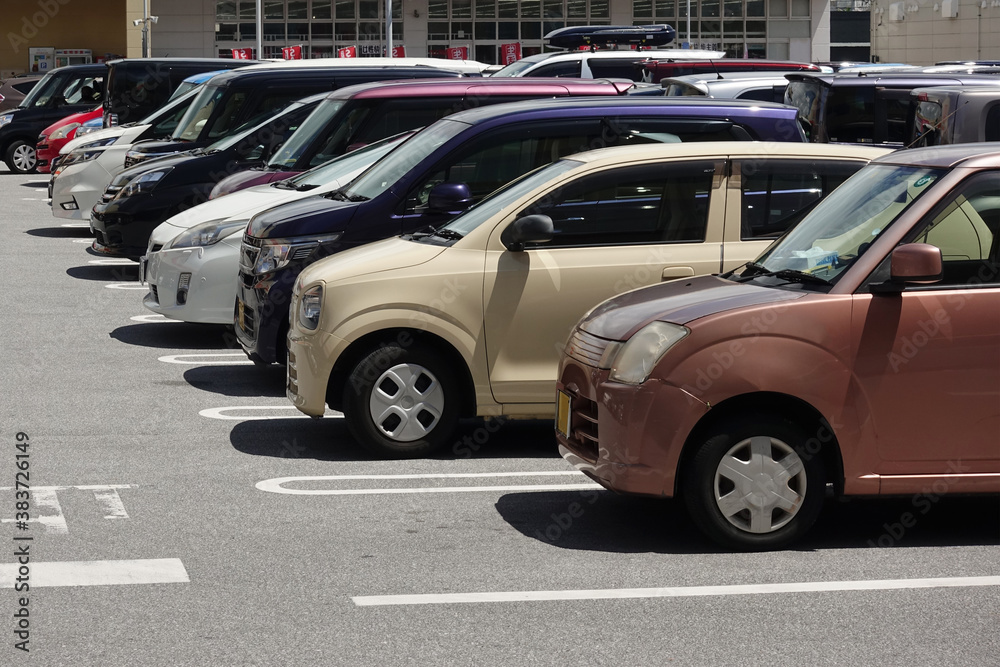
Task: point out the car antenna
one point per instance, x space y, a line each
718 74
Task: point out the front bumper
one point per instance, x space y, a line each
310 362
626 438
123 227
265 313
211 282
78 188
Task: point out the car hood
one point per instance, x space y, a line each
243 204
100 134
385 255
679 302
81 118
305 217
247 179
152 165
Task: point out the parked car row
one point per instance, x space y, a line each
419 252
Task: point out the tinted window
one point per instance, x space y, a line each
897 110
166 125
759 94
993 124
966 230
619 68
263 108
564 69
648 204
397 116
23 88
850 114
776 194
926 132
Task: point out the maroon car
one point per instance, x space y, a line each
358 115
862 349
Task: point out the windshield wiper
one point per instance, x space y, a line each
793 275
357 198
284 185
449 234
336 194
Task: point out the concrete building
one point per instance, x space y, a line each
923 32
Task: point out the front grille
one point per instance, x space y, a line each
156 295
249 252
249 319
584 427
587 348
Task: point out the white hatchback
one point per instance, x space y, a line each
192 262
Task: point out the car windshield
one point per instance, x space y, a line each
845 224
502 199
384 174
515 68
190 126
240 133
55 84
808 97
306 135
168 109
341 167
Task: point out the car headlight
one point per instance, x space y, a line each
96 143
277 253
310 306
87 128
6 118
632 361
63 131
142 184
206 234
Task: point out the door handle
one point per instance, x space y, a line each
672 272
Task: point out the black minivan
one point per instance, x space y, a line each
244 97
62 92
136 87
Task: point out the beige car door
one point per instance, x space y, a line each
615 230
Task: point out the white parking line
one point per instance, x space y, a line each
88 241
113 261
676 592
220 413
213 359
277 484
127 286
156 318
99 572
76 225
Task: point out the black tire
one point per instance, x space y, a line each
420 419
21 157
766 497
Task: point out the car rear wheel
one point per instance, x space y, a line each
753 486
21 158
402 402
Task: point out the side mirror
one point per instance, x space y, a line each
529 229
916 263
449 198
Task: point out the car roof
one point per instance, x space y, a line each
254 72
545 107
965 91
675 54
755 149
168 60
768 75
894 78
465 66
506 85
985 154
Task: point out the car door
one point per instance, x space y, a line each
928 361
769 196
615 229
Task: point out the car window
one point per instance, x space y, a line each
398 116
897 111
776 194
620 68
850 114
166 126
993 123
759 94
646 204
23 88
966 230
563 69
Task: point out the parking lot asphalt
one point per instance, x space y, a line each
182 513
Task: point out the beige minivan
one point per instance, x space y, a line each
407 335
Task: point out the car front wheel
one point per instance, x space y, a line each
753 486
21 158
402 402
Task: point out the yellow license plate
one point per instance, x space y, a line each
563 413
239 314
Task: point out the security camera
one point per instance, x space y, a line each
154 19
137 22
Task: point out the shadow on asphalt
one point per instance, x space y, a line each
61 232
178 336
36 184
105 272
330 440
621 524
239 381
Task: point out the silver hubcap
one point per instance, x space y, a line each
24 158
760 484
406 402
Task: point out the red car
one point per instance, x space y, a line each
58 134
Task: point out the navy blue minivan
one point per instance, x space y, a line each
452 164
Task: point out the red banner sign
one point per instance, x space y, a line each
510 53
399 52
291 52
243 54
348 52
457 53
